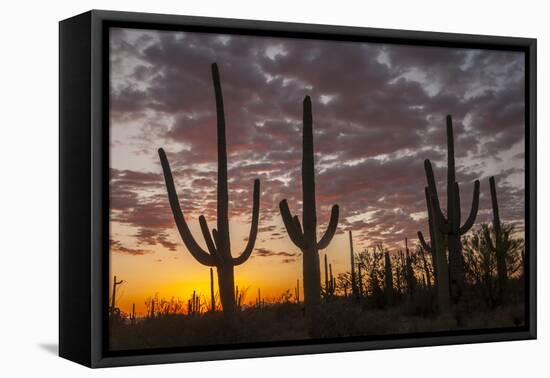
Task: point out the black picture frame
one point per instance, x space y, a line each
84 200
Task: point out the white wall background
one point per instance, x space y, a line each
29 189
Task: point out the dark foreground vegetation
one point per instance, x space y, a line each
339 317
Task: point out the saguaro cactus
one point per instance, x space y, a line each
409 271
194 304
152 316
450 226
359 279
218 244
354 287
297 291
329 280
332 281
427 275
113 297
212 296
439 257
306 238
238 298
499 247
388 279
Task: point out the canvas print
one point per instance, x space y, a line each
277 190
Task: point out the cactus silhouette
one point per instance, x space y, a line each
152 316
306 239
259 299
439 258
388 279
329 280
450 226
238 298
113 296
499 247
359 279
218 242
212 295
409 271
194 304
354 288
427 275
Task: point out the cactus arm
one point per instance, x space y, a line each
331 229
423 243
216 237
298 225
440 220
207 237
295 234
494 204
196 251
430 178
253 228
473 211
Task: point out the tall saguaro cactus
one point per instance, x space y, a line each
499 247
450 225
306 238
217 241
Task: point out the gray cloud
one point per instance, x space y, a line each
378 113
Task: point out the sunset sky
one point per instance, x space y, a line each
378 112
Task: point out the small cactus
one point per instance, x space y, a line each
329 280
409 271
388 279
212 295
354 286
238 298
427 274
113 297
194 304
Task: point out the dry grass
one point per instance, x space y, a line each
283 322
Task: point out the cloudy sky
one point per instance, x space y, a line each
378 112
